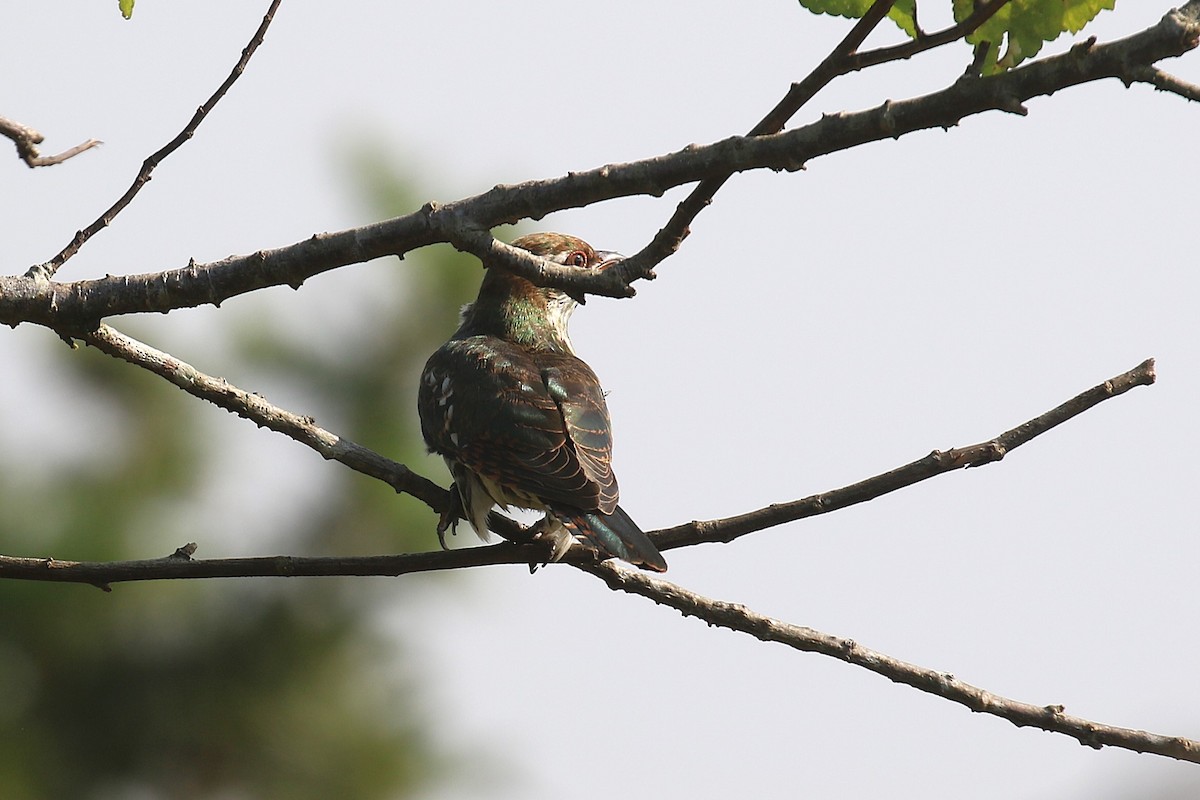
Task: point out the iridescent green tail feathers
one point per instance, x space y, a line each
613 535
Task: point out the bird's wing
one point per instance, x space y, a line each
536 424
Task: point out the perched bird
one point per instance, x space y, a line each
521 420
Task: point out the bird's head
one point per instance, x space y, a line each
513 308
569 251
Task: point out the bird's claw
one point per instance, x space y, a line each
445 523
448 519
554 535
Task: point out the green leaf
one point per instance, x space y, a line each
1015 32
903 13
126 8
838 8
1021 27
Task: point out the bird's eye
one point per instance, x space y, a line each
577 259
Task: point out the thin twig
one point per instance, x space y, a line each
305 431
982 13
739 618
936 463
671 235
1166 82
52 266
842 59
27 139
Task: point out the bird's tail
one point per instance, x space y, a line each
614 535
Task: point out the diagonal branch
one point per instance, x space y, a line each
84 303
52 266
1166 82
936 463
843 59
255 408
982 13
304 430
671 235
739 618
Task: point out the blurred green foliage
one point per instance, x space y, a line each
256 689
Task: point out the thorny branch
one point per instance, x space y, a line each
47 270
27 139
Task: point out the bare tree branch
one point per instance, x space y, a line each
27 139
843 59
739 618
621 577
924 41
255 408
180 565
1166 82
47 270
76 310
671 235
493 252
80 305
936 463
305 431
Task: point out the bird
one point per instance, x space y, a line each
521 420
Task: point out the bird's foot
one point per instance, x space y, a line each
446 523
554 535
448 519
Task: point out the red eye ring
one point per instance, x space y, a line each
577 259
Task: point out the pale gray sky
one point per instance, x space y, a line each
906 296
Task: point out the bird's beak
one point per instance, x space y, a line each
608 259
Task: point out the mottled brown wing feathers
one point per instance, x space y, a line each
536 423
